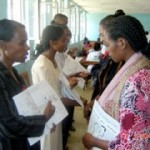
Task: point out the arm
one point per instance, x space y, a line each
90 141
69 102
13 125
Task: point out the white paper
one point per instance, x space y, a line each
68 92
81 83
102 125
78 59
33 101
72 66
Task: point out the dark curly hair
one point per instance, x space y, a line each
132 30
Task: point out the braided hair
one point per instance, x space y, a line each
108 18
132 30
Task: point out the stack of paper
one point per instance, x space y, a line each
33 101
102 125
67 91
72 66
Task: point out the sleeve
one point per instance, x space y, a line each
134 114
14 125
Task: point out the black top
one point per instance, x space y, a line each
103 73
14 128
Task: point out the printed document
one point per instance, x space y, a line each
102 125
72 66
33 101
67 91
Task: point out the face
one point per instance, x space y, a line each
114 48
61 44
16 49
68 36
101 33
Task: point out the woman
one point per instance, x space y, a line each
45 67
105 70
14 128
127 97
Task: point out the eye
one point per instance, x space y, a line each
22 43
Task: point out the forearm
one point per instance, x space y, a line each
17 125
101 144
30 126
69 102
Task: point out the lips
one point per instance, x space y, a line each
25 55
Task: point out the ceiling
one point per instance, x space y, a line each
110 6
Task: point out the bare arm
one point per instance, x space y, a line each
90 141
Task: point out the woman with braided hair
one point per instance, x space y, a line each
127 97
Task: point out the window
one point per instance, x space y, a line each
36 14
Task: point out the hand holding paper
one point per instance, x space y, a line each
49 110
35 101
102 125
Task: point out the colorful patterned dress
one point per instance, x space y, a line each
134 114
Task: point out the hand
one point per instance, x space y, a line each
83 74
88 140
83 100
53 128
49 110
73 81
87 111
97 97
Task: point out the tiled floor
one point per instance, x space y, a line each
75 139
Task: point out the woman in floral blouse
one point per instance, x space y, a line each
127 97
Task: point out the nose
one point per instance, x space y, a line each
27 47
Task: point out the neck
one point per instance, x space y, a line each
128 55
6 62
50 54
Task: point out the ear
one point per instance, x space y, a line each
122 43
52 43
2 45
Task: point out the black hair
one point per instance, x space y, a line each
146 32
64 27
51 32
132 30
8 28
97 46
86 40
58 17
119 12
108 18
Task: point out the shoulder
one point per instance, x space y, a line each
140 76
138 80
40 62
137 89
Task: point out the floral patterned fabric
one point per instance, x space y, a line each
134 114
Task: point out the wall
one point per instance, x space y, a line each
93 20
3 9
